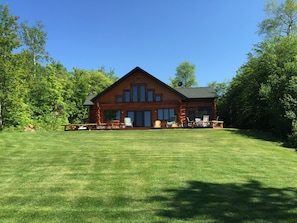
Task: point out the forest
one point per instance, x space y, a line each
37 91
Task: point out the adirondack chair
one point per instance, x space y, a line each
128 122
205 121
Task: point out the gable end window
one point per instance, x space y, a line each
158 98
127 96
139 93
142 92
150 95
134 93
119 99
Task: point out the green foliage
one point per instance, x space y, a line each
85 83
281 19
9 76
263 93
221 89
185 73
33 94
34 39
48 101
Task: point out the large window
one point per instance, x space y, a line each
165 113
112 115
142 93
150 95
139 93
127 96
205 110
135 93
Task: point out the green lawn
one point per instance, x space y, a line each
176 175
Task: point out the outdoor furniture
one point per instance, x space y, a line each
190 123
205 121
102 125
157 124
128 122
171 122
113 124
217 124
198 122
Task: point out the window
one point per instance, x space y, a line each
134 93
142 93
112 115
158 98
119 99
127 96
165 113
204 110
139 93
150 95
160 114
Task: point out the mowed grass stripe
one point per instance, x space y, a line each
176 175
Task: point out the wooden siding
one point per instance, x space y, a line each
169 99
139 78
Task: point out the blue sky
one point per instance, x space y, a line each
156 35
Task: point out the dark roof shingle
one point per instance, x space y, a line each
88 101
198 92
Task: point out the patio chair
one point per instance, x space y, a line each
205 121
198 122
128 122
157 124
171 122
190 123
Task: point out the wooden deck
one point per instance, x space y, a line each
118 125
72 127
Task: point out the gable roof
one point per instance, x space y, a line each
88 101
129 74
186 93
198 92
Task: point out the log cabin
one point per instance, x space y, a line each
145 99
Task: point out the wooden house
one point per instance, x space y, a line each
145 99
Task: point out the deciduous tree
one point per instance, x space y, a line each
185 76
9 41
281 19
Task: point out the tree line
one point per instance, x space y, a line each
263 94
35 90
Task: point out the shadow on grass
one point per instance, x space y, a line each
257 134
229 203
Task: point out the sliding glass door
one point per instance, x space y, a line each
141 118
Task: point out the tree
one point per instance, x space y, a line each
34 39
220 88
8 79
49 97
281 19
185 75
85 83
263 94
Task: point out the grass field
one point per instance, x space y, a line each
176 175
